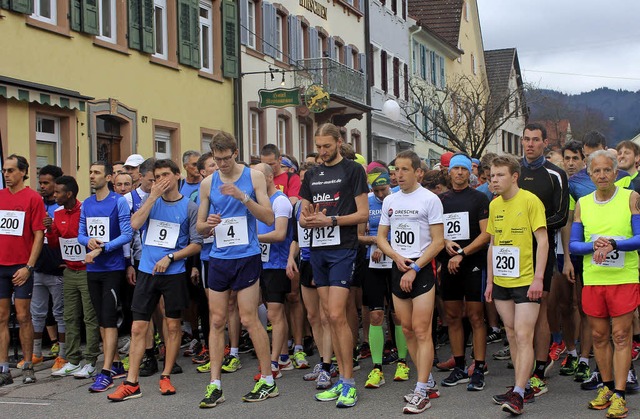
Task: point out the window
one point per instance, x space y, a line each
281 135
107 30
303 140
162 146
423 62
320 43
466 11
160 29
251 24
278 36
433 67
48 147
336 51
45 11
205 145
443 79
206 36
254 133
473 64
356 141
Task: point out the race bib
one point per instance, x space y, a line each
162 234
11 223
384 263
326 236
208 240
98 228
506 261
615 258
405 238
232 231
559 249
304 236
72 250
265 250
456 226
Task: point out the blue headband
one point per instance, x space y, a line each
460 160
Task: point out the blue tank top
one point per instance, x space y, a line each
277 253
231 210
207 242
108 207
375 209
166 220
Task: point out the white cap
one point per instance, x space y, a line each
134 160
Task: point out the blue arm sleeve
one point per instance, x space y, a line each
126 233
632 243
83 238
577 245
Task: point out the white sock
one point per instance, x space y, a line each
421 388
573 353
63 352
216 383
298 348
585 360
268 379
37 348
233 352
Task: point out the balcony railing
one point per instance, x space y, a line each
337 78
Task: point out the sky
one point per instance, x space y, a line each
578 38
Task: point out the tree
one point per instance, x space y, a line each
463 115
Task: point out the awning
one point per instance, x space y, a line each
11 88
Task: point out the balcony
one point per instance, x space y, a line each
337 78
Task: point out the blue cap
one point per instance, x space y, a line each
475 161
460 160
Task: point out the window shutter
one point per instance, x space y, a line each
332 48
147 8
313 43
134 23
396 77
22 6
267 30
90 16
230 38
383 71
294 39
362 63
361 6
244 32
404 9
370 65
443 80
76 15
4 4
406 82
423 62
433 67
348 56
188 33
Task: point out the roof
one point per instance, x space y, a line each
440 16
558 132
498 63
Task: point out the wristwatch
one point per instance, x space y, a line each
245 199
29 268
334 220
170 256
461 252
614 245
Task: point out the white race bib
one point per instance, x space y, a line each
265 251
208 240
232 231
304 236
405 238
384 263
615 259
72 250
456 226
506 261
326 236
11 223
162 234
98 228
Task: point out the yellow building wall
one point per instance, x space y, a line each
470 41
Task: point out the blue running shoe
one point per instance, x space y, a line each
117 370
102 383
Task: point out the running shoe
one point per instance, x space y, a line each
402 372
632 381
202 357
375 379
618 407
602 400
313 375
55 350
212 397
176 369
472 368
356 364
391 357
194 348
185 340
594 382
118 370
583 372
556 350
494 337
5 378
204 367
125 363
308 345
569 365
124 344
285 365
66 370
230 364
456 377
149 366
514 404
58 364
323 381
246 345
365 351
166 388
447 365
539 386
275 371
87 371
635 351
125 392
35 360
261 391
432 388
501 398
348 397
417 404
330 394
503 354
102 383
476 382
300 360
28 375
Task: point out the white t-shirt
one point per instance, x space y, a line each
282 207
410 215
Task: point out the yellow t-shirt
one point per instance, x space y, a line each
512 223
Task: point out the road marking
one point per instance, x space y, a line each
27 403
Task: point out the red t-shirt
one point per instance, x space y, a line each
289 184
20 215
65 225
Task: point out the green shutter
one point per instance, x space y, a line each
22 6
188 33
133 20
4 4
230 39
76 14
147 26
90 16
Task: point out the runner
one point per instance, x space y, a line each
231 200
413 216
464 263
515 218
610 294
21 239
104 229
190 185
132 167
63 234
628 160
334 198
122 183
168 221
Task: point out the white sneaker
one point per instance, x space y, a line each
66 370
123 345
87 371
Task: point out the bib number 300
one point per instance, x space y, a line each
506 261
